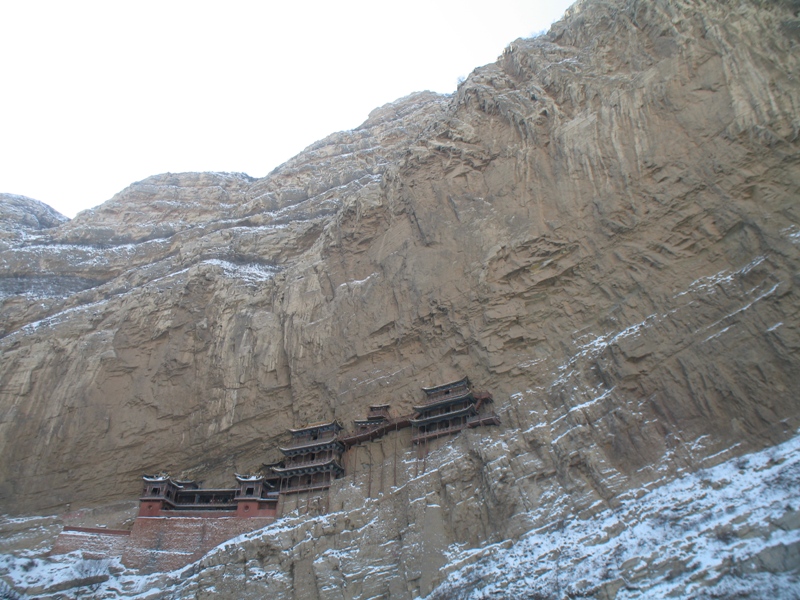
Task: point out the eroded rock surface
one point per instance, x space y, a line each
601 228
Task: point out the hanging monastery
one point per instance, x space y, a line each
179 521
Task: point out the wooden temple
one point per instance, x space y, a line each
313 458
378 415
162 496
450 408
179 520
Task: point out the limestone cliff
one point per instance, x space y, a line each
601 228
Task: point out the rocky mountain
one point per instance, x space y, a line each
601 228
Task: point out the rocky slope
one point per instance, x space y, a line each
730 531
601 228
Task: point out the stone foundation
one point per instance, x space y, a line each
158 543
167 543
92 542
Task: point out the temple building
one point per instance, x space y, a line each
378 415
179 521
163 496
450 408
312 458
257 496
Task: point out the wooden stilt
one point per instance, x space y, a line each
369 475
381 482
394 462
416 462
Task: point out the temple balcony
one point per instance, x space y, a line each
192 502
203 506
311 466
435 433
488 418
428 418
317 460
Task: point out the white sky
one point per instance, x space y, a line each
98 94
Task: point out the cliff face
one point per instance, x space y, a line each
601 228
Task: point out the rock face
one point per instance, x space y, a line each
601 228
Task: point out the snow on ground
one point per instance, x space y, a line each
731 529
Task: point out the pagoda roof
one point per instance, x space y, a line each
444 386
444 401
244 478
181 484
335 424
185 483
310 445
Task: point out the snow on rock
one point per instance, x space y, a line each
705 534
732 530
247 272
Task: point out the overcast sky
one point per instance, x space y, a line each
97 95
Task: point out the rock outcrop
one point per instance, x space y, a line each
601 227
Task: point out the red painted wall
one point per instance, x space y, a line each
256 508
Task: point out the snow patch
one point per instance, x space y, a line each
695 531
247 272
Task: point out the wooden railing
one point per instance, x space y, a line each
434 433
203 505
309 463
488 418
378 430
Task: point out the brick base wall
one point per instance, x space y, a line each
158 544
93 543
168 543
